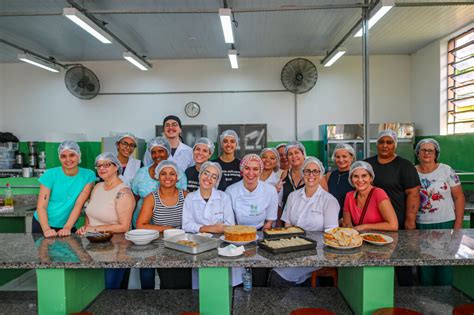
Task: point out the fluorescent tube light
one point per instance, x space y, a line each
379 11
87 24
233 59
38 62
137 62
332 58
226 22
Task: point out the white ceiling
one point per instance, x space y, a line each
38 25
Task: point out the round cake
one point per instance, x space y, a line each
240 233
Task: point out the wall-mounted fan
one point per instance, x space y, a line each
299 75
82 82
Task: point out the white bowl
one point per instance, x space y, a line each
141 242
141 232
146 237
172 232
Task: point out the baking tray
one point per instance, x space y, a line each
288 249
204 243
283 235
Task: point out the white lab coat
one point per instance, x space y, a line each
197 212
133 165
315 213
273 180
183 157
253 208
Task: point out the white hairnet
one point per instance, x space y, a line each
207 142
70 146
164 164
127 135
295 144
281 145
112 157
388 133
155 142
207 164
428 140
228 133
361 164
346 147
277 155
312 159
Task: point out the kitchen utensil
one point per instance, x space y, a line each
27 172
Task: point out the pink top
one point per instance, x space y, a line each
373 214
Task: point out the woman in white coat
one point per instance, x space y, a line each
209 210
311 208
126 145
181 154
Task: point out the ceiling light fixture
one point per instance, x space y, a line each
136 61
330 59
377 13
233 59
225 15
87 24
28 58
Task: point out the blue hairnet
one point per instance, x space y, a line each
155 142
70 146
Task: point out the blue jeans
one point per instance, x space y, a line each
147 278
114 277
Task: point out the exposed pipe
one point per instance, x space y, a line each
365 73
296 116
192 92
100 24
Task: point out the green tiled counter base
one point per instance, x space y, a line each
463 279
367 288
65 291
215 291
12 225
7 275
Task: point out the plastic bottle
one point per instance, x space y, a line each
8 196
247 279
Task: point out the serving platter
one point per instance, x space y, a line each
283 232
387 239
288 249
341 247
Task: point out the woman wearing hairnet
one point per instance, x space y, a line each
441 203
229 163
162 210
368 207
202 152
311 208
63 192
110 208
180 153
126 144
144 181
338 180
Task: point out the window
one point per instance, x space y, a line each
461 83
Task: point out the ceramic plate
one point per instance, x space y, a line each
342 247
222 238
387 239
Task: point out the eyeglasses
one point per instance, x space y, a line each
175 124
427 151
387 142
128 145
308 172
210 175
103 165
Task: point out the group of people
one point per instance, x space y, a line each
178 186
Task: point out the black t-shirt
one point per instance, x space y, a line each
338 184
230 171
192 177
394 178
289 187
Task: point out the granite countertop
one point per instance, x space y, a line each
20 211
410 248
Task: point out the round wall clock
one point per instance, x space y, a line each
192 109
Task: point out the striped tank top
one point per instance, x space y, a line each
168 215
